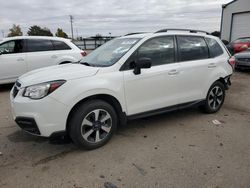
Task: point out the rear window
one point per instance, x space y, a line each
38 45
59 45
192 48
214 48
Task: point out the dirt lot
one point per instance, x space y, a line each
179 149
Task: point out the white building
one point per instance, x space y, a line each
235 20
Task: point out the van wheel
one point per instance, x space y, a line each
93 124
215 98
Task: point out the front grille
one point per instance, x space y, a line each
244 59
16 89
18 84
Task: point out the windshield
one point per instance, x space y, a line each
109 53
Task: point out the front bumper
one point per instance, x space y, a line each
42 117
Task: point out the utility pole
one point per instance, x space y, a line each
71 23
2 33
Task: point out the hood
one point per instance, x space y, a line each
57 72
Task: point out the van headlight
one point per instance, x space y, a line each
40 91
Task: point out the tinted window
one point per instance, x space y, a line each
59 45
14 46
37 45
192 48
214 48
160 50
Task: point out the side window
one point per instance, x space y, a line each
214 48
59 45
38 45
10 47
161 50
192 48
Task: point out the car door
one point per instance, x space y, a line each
62 50
195 67
40 53
157 86
12 60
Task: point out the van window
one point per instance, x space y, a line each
192 48
214 48
59 45
37 45
160 50
10 47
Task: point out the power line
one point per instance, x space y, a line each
71 23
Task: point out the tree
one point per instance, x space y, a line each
61 33
15 31
216 33
38 31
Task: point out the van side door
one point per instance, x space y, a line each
40 53
12 60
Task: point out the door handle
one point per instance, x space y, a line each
20 59
211 65
54 56
173 72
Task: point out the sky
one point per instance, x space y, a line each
117 17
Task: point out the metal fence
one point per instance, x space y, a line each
90 43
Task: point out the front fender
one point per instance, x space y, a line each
76 90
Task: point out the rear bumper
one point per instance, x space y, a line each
242 65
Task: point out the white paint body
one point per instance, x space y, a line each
14 65
153 89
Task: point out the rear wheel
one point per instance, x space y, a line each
93 124
215 98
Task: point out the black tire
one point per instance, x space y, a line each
212 103
87 112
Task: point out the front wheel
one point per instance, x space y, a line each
93 124
215 98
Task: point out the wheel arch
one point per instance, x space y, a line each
114 102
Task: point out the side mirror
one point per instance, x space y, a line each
142 63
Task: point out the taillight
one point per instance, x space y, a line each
231 61
83 53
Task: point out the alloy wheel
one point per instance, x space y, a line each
96 125
215 97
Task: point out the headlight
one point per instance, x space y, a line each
42 90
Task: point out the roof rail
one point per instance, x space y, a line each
135 33
189 30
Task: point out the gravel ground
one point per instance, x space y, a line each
179 149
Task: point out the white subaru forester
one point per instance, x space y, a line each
129 77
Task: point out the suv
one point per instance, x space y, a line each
19 55
128 77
